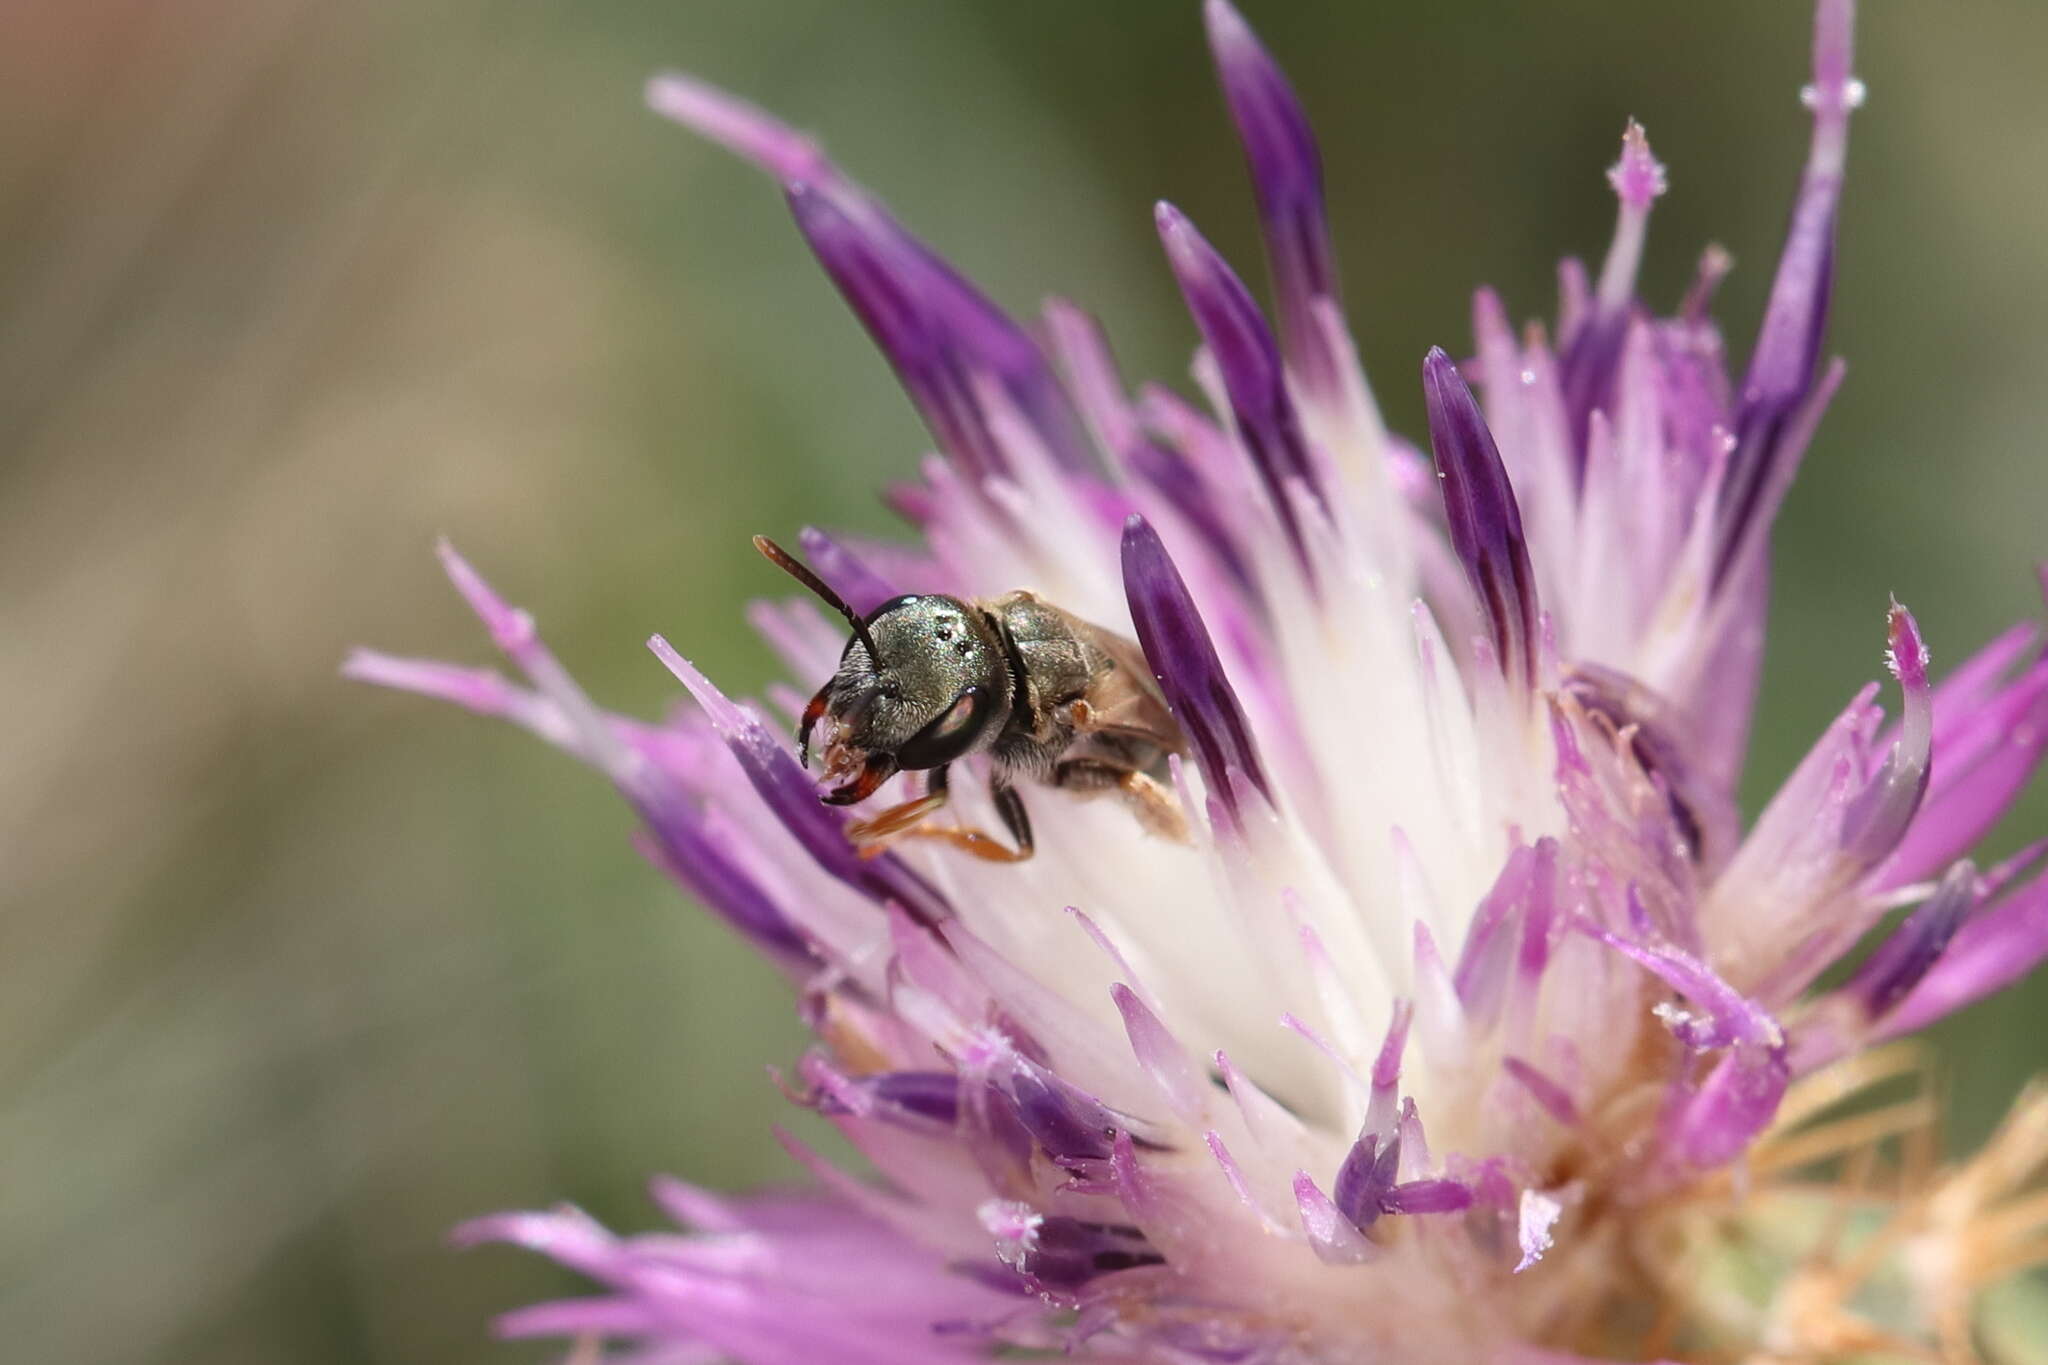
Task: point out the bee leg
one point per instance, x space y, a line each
873 835
1149 799
1016 819
1010 807
1156 807
903 822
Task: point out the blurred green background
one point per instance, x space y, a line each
297 974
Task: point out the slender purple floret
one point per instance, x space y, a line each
1888 975
858 585
1554 1099
1590 369
2000 946
1737 1100
1064 1254
1785 366
1183 659
1287 180
1880 816
1243 347
1485 524
1365 1179
937 330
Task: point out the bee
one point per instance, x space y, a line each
927 679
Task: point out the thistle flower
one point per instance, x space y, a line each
1465 1025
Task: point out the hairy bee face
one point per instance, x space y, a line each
936 687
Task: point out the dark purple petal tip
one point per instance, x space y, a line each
1903 961
886 285
937 330
1183 659
1064 1254
1485 523
1287 178
1365 1179
1996 948
1428 1196
1784 368
1237 336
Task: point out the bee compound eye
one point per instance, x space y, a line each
950 734
956 716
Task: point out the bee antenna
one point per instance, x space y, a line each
801 572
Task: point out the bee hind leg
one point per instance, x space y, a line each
1151 800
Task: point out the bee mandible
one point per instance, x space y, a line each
928 679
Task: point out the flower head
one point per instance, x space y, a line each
1429 998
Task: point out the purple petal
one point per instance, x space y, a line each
1382 1109
1175 479
931 1097
1554 1098
1510 930
1485 524
1369 1171
858 585
1091 369
1985 748
883 289
1715 1123
684 845
1428 1196
936 329
787 790
679 836
1998 947
1331 1235
1069 1125
1702 809
1881 813
1414 1144
1183 659
741 128
1786 362
1287 179
565 1234
1181 1083
1902 961
1237 337
1064 1254
1588 368
1726 1015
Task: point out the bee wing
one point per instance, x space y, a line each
1124 700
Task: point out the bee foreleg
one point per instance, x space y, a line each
873 835
1155 805
1010 807
902 822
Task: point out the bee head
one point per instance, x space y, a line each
924 680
